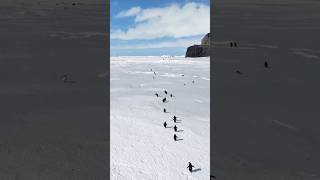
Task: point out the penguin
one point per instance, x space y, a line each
174 118
164 100
165 124
175 137
190 166
175 128
238 72
266 65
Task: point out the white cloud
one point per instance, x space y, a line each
175 21
131 12
177 43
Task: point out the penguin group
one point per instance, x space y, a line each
174 118
166 95
233 44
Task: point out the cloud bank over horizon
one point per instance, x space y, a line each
169 26
175 20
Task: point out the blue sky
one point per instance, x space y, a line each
157 27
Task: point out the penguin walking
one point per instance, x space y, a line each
231 44
266 65
175 128
175 137
190 166
164 100
174 119
157 94
166 92
164 110
165 124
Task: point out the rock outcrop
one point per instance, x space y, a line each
198 51
202 50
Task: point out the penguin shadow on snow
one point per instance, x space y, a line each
175 128
166 125
196 170
176 120
176 138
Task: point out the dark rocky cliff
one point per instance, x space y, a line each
200 50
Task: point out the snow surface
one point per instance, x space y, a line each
141 148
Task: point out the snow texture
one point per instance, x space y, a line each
141 148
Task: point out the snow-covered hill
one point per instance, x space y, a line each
141 148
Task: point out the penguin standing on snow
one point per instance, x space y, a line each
174 119
164 110
157 94
164 100
190 166
175 137
166 92
165 124
175 128
266 65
